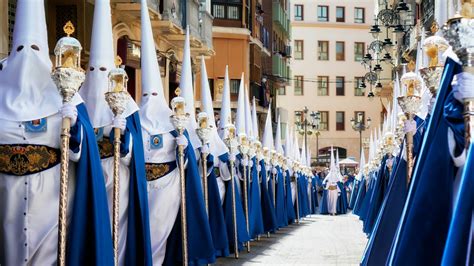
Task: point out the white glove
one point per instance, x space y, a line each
181 140
232 157
245 162
259 168
69 110
119 122
410 126
274 171
268 167
251 163
205 148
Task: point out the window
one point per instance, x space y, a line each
324 123
340 53
234 86
340 86
340 14
298 85
223 10
323 50
359 48
323 85
299 12
359 15
282 90
358 91
299 45
323 13
340 121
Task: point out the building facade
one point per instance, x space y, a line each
330 38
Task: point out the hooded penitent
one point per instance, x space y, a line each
29 230
101 61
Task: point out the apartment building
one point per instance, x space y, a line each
330 38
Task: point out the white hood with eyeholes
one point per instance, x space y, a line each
100 63
154 110
27 91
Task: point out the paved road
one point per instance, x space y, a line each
318 240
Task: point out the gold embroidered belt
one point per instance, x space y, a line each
106 148
155 171
332 187
26 159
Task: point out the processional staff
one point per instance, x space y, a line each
231 142
204 132
116 98
244 150
179 120
68 77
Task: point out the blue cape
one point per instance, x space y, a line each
216 214
280 209
200 247
89 240
361 190
291 215
255 207
268 209
242 233
459 239
428 207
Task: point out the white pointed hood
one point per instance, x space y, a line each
333 175
288 143
154 110
225 114
296 148
267 139
248 116
240 116
303 153
254 120
361 166
216 145
308 157
278 145
101 62
27 91
187 92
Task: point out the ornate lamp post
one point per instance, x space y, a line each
302 127
358 124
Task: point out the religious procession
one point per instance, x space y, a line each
95 173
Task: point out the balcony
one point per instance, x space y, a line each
280 69
281 18
130 9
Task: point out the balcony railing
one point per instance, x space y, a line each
281 18
206 28
280 68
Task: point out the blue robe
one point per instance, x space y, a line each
314 195
266 199
424 224
138 248
459 248
367 199
381 239
377 197
280 209
342 204
291 214
360 196
354 192
324 203
255 206
200 246
216 214
89 240
242 233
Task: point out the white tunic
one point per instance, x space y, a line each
163 195
124 183
29 204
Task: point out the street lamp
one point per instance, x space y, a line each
302 124
358 124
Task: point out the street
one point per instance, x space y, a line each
317 240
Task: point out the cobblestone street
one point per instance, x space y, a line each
317 240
